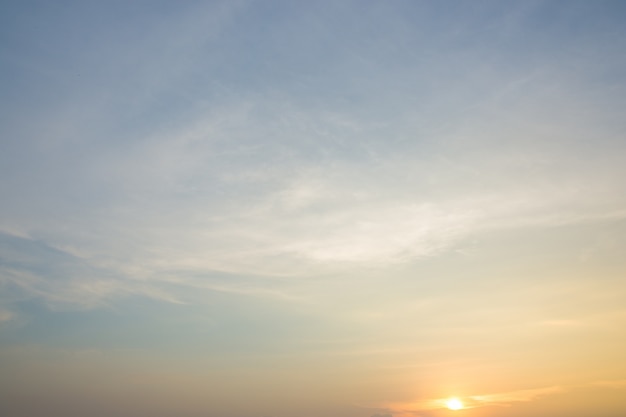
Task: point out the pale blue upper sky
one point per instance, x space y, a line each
336 187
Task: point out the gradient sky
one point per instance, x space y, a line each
312 209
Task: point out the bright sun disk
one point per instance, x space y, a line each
454 404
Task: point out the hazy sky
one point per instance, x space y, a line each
312 209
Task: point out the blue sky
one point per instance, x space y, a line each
339 208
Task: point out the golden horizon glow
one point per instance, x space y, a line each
454 404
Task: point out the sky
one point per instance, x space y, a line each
312 209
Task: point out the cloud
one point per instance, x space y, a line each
376 165
210 197
507 398
473 401
267 185
30 268
500 399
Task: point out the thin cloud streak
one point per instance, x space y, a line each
500 399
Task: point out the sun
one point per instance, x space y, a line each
454 404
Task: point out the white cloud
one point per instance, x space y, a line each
376 165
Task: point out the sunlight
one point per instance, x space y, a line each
454 404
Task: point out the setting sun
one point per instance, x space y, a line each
454 404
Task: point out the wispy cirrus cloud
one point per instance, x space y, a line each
30 268
253 179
